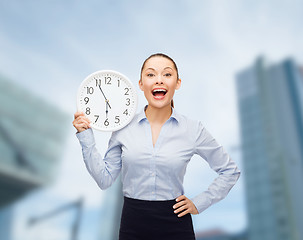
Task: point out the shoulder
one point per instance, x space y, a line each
190 125
132 126
188 122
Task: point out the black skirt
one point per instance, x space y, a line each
153 220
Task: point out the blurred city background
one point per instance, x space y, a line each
241 68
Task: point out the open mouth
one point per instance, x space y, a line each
159 92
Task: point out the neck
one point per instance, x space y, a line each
158 115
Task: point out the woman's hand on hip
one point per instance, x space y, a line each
81 122
184 206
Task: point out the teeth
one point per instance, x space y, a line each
159 90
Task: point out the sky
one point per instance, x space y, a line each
49 47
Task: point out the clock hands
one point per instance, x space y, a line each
106 111
105 99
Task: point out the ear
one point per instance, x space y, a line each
178 84
141 84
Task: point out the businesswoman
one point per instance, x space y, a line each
152 153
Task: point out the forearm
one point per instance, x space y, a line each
218 190
103 171
210 150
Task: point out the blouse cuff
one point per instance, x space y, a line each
201 202
86 137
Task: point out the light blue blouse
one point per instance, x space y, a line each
157 172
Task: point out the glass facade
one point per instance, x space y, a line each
270 110
31 144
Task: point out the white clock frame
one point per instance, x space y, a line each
111 101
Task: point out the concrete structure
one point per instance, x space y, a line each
270 102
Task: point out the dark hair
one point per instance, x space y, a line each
165 56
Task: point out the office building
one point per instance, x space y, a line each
111 210
270 101
32 134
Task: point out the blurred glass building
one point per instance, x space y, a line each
270 102
111 210
32 134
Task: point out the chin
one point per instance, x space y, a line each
159 104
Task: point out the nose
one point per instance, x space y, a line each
159 80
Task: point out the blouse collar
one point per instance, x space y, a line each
142 115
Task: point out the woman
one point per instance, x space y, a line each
152 153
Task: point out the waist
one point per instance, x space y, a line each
152 204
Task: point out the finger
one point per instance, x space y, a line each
178 199
179 204
79 125
87 125
81 119
182 197
183 213
77 114
83 126
180 209
84 118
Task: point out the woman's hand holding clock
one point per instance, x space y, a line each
81 122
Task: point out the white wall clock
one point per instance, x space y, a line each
108 99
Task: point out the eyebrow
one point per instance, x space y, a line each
150 69
155 70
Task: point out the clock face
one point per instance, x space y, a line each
108 99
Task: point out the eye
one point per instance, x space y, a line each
167 74
150 75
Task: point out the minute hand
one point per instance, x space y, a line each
104 97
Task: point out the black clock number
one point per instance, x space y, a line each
118 82
87 111
106 122
98 82
90 90
117 118
128 101
86 100
97 117
108 80
125 112
126 91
